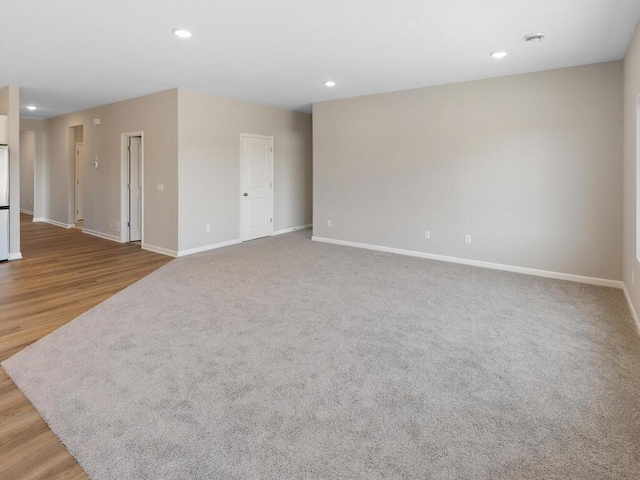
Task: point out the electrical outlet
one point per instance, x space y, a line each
328 223
427 234
161 187
467 239
207 228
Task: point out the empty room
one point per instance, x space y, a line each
325 240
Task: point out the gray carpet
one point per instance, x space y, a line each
287 359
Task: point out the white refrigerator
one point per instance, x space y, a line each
4 202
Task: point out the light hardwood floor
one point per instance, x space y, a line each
63 274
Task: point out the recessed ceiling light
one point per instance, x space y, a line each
179 32
534 37
329 83
31 107
499 54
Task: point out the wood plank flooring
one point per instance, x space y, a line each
63 274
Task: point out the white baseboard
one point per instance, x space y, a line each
15 256
106 236
53 222
603 282
293 229
191 251
39 219
634 315
28 212
161 250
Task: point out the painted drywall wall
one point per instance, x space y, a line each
79 133
27 165
10 106
40 184
155 115
631 159
530 166
209 150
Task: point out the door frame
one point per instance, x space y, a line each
124 190
75 183
240 189
71 179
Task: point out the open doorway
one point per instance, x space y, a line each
132 191
76 143
27 171
79 162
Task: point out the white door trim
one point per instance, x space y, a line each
124 191
241 186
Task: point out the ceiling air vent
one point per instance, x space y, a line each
534 37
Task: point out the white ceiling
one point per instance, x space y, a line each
68 55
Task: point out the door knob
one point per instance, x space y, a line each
246 194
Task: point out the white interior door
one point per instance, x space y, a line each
79 185
257 187
135 189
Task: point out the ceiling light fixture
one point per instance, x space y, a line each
179 32
534 37
31 107
329 83
499 54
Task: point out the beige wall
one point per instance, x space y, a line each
530 166
27 165
78 133
155 115
201 178
631 155
209 147
10 106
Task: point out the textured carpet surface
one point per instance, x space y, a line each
283 358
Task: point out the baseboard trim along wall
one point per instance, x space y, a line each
28 212
634 315
191 251
15 256
53 222
106 236
293 229
603 282
161 250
